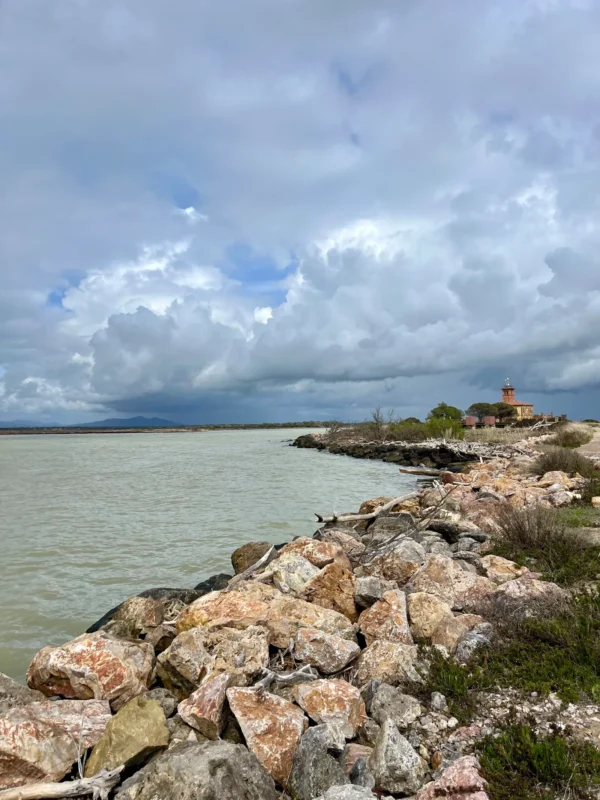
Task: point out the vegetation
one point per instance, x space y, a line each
505 412
564 460
572 435
481 410
518 763
444 411
501 435
580 516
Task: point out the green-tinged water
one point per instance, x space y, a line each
87 520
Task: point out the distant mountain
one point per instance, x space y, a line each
130 422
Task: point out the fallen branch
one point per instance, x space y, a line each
432 473
372 515
262 562
301 675
99 787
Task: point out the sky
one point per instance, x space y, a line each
268 210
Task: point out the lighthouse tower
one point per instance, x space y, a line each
508 393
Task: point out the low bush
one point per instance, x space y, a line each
572 435
562 459
580 516
520 764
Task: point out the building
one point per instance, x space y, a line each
524 410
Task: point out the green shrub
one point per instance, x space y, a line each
563 460
572 436
445 428
520 764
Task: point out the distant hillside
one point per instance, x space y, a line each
131 422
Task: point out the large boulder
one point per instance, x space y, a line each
444 578
317 552
449 632
271 726
398 564
327 652
395 764
204 709
94 665
460 781
201 771
333 587
387 619
389 662
390 703
314 769
135 732
349 544
288 614
499 570
368 589
248 554
168 597
425 612
524 596
238 608
291 572
142 613
41 741
13 695
182 666
332 701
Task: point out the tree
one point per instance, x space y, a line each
444 411
505 412
481 410
411 420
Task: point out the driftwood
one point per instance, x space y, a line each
99 787
358 517
431 472
301 675
262 562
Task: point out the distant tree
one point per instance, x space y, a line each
481 410
412 420
505 412
444 411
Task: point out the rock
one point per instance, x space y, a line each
425 612
333 587
438 702
142 613
521 596
348 793
551 478
244 654
328 653
352 752
361 775
349 544
449 633
470 620
291 572
287 615
399 565
42 740
212 584
15 695
239 609
367 733
167 596
165 698
370 589
373 504
499 570
183 665
561 498
332 701
395 765
95 666
201 771
318 553
204 709
271 726
460 781
180 731
442 577
390 703
387 619
473 640
595 502
314 770
389 662
247 555
161 637
135 732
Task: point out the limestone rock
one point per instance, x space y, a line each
242 653
551 478
165 698
348 793
387 619
394 763
41 741
161 637
222 608
425 612
288 614
204 709
314 770
449 633
247 555
521 595
169 598
135 732
328 653
94 665
142 613
373 504
499 570
201 771
291 572
333 587
349 544
318 553
480 636
442 577
390 662
332 701
271 726
15 695
390 703
183 665
180 731
460 781
392 566
370 588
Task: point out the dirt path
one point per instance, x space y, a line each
592 450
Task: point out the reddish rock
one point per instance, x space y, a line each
288 614
332 701
271 726
328 653
238 608
41 741
183 665
318 553
204 709
243 654
387 619
395 566
444 578
460 781
352 752
94 665
389 662
425 612
333 587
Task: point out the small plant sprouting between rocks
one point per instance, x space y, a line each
519 764
562 459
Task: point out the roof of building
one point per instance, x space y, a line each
517 403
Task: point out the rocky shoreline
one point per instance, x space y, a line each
304 675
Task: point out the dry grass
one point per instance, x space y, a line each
502 435
574 434
563 459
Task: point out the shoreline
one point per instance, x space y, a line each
313 665
175 429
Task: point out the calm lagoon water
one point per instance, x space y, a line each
88 520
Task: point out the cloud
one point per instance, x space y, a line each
317 209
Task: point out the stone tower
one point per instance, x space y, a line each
508 393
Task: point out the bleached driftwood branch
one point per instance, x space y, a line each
99 787
262 562
301 675
372 515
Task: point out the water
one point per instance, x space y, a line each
88 520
